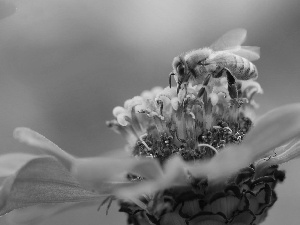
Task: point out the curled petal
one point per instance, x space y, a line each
167 92
252 86
123 119
147 95
11 163
156 90
42 180
35 139
127 132
131 103
118 110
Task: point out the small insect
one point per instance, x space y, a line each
224 58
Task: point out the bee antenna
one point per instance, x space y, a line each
170 79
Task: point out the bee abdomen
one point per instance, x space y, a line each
253 71
243 69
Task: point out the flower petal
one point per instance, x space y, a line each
11 163
35 139
94 172
227 162
273 129
174 174
42 180
100 173
280 155
147 168
34 215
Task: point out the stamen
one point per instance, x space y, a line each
229 130
207 145
143 142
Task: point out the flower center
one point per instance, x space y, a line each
205 146
160 122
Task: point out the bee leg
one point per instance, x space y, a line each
220 73
205 82
232 86
183 81
233 89
170 78
178 87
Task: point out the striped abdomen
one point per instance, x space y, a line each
241 68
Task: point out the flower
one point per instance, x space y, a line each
159 123
53 177
191 159
210 172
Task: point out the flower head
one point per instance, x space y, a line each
196 139
159 123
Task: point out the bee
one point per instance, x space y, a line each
224 58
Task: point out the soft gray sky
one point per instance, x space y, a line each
64 65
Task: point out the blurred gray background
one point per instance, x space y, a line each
65 64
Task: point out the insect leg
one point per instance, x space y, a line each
178 87
170 78
183 81
205 82
232 86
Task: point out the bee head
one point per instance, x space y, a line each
179 67
180 70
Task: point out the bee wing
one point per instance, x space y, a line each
251 53
230 40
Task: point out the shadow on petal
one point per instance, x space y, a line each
42 180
